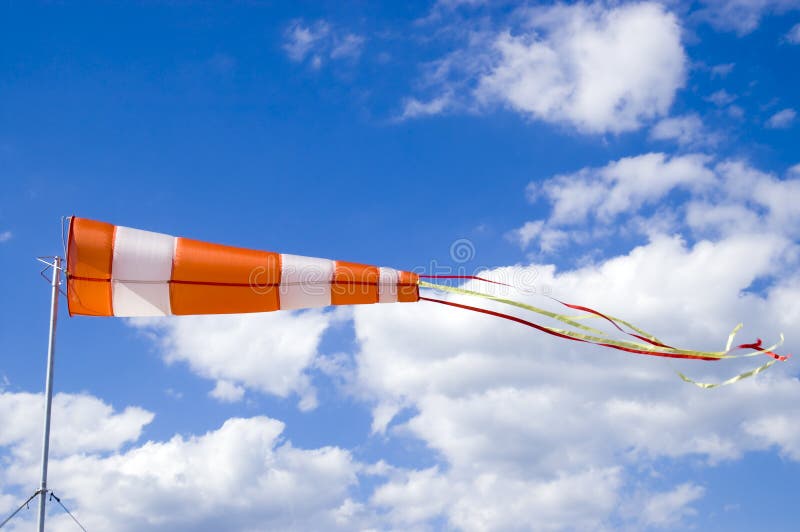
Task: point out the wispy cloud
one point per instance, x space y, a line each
782 119
348 46
741 16
722 70
686 130
793 36
5 236
301 39
320 41
721 98
414 108
668 508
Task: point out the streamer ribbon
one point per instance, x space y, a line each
647 343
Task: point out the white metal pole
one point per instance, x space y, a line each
51 348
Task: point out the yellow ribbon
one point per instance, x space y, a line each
746 374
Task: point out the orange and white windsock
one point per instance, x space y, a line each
118 271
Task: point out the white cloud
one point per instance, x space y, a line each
623 186
491 501
526 425
782 119
414 497
227 392
726 197
494 502
599 69
267 352
5 236
742 16
319 41
549 239
81 423
780 198
779 430
793 36
685 130
241 476
667 509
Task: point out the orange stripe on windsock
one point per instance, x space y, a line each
354 284
89 259
408 287
216 279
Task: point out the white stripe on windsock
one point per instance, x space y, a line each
140 272
305 282
387 285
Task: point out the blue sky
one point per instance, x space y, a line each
632 156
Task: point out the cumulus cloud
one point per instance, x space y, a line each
500 502
725 197
782 119
593 67
414 496
227 392
526 425
599 69
267 352
623 186
240 476
81 423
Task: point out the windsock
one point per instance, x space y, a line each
118 271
